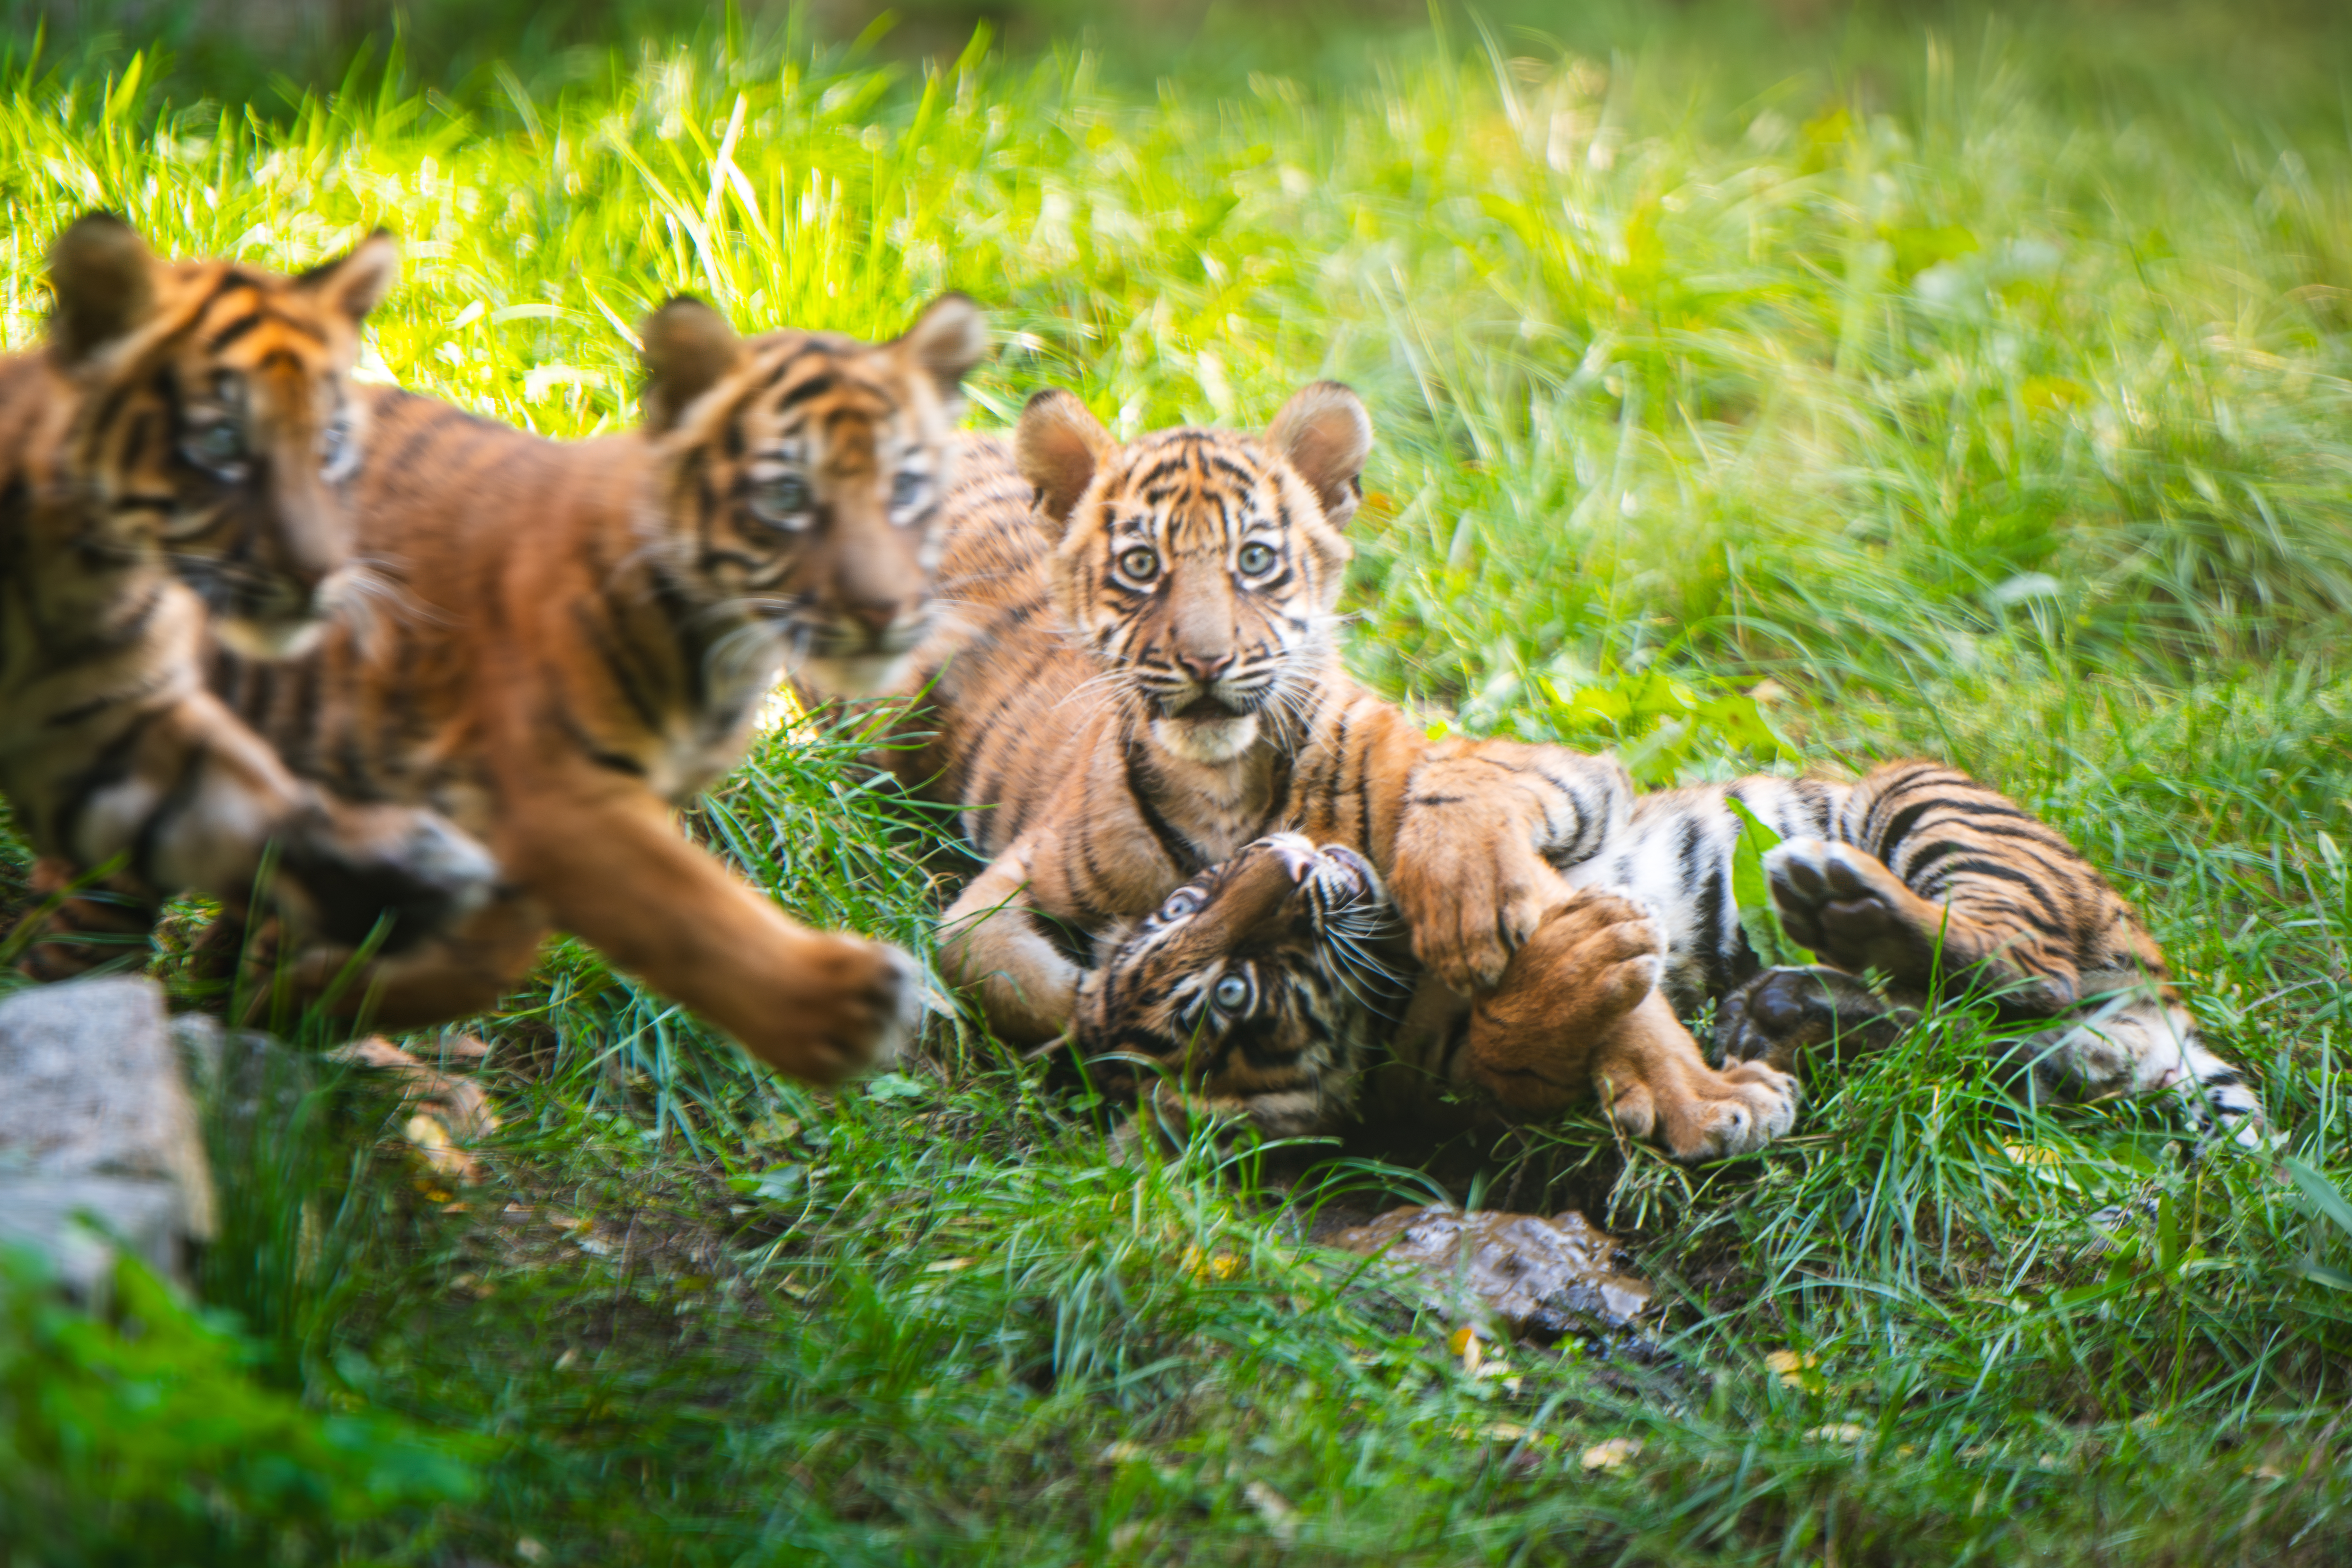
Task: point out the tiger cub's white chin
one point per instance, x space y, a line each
1206 740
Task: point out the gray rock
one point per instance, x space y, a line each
75 1222
95 1116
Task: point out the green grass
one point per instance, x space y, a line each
1743 397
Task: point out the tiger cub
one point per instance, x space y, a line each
180 452
1270 1007
1140 678
594 628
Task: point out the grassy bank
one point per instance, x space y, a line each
1742 400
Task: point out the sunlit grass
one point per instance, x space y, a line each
1978 411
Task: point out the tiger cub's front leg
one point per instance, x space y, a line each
994 941
1578 1012
1484 829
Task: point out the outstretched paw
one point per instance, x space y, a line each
1783 1012
1703 1115
854 1004
1653 1083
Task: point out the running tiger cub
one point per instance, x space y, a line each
1266 997
1141 679
594 627
184 445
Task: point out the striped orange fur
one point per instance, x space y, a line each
181 451
576 638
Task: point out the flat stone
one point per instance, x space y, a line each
1543 1279
95 1115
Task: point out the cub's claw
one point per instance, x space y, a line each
1700 1115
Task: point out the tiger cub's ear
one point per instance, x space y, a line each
104 279
1058 445
1327 435
356 281
947 340
689 347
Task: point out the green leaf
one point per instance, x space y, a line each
2321 1274
2322 1194
779 1185
894 1086
1751 892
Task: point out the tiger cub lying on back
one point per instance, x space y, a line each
180 456
589 631
1264 989
1140 678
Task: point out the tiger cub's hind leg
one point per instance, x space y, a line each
1945 880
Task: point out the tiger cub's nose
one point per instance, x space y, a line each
875 618
1205 667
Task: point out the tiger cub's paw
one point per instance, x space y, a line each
1590 962
1711 1116
1785 1011
1845 905
1469 908
345 867
863 1001
1653 1082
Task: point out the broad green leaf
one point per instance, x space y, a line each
1751 892
2322 1194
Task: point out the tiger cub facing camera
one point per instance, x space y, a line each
1248 996
580 638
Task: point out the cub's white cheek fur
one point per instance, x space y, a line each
1207 741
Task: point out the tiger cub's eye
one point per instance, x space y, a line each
1231 992
218 445
1255 559
781 500
905 489
1182 903
1139 564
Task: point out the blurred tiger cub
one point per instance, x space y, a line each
587 635
1139 678
1268 986
181 450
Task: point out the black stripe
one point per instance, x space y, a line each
1187 860
815 386
578 736
234 331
